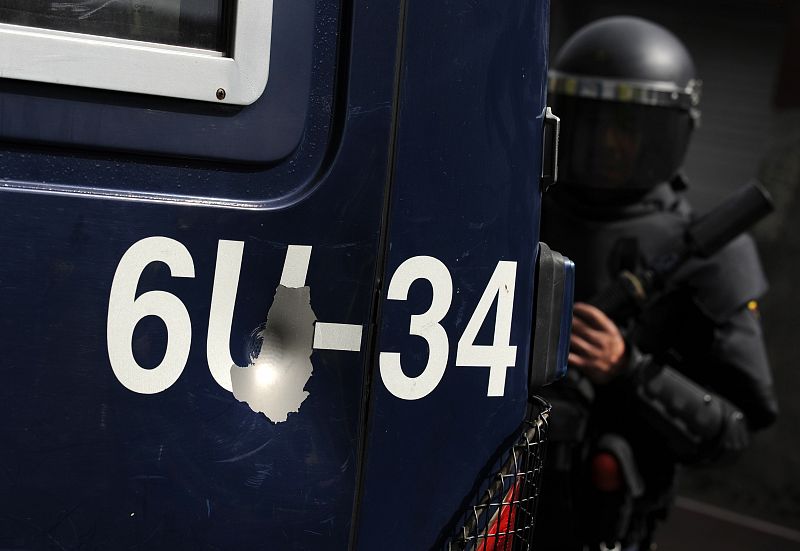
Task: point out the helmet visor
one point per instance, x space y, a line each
614 145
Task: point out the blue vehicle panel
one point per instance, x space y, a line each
465 187
139 268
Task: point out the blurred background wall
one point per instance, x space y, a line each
747 53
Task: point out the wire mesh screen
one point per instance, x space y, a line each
503 517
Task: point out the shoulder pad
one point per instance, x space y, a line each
725 282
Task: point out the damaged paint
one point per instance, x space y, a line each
274 381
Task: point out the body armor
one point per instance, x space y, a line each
697 381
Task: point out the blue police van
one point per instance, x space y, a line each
268 273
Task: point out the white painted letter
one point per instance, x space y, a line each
220 319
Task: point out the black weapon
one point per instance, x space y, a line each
630 291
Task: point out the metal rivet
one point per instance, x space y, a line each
220 94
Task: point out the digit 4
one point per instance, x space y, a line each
499 355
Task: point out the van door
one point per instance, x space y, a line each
167 252
266 270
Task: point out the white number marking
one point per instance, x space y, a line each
125 311
499 355
424 325
337 336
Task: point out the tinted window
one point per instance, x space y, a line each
190 23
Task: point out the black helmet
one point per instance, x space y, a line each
626 93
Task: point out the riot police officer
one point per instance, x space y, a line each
687 380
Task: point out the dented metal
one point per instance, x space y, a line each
274 381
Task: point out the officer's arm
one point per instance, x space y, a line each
693 422
742 373
698 423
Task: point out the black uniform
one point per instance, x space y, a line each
704 327
697 380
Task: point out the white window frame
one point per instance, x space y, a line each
59 57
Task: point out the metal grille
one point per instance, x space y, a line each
503 518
